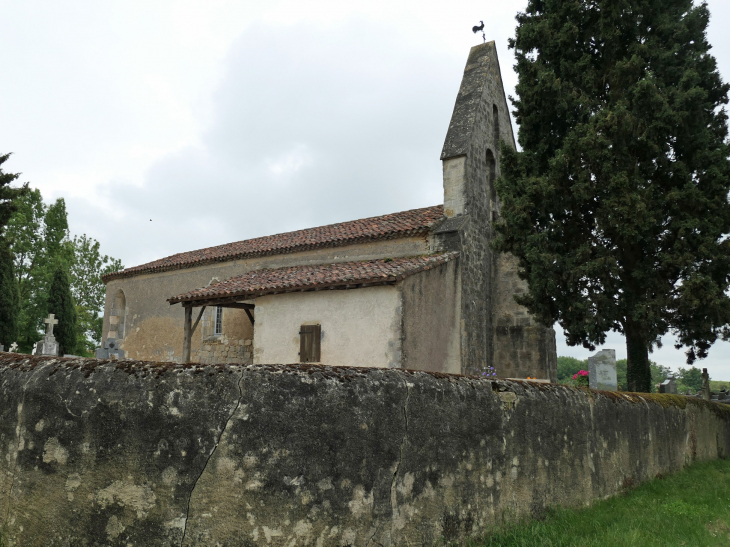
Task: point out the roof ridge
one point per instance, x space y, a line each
389 226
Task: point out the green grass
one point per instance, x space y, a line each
716 385
689 508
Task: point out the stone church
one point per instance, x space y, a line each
418 289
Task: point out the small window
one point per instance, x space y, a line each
218 320
491 176
495 118
309 337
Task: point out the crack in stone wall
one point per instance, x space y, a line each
393 491
210 456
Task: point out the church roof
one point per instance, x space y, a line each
392 226
341 275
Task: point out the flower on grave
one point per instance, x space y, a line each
486 372
581 378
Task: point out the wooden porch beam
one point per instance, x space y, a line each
187 334
250 317
195 326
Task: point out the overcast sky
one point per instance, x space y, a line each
174 125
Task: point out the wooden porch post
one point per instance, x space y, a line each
188 334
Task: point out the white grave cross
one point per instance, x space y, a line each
50 321
13 347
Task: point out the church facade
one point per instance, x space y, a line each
418 289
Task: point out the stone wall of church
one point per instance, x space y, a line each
233 345
122 453
432 323
497 331
522 347
480 119
153 329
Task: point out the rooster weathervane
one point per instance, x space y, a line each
476 29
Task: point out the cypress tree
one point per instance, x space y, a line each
9 297
61 304
617 205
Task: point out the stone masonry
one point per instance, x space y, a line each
496 330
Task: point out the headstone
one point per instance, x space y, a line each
48 345
668 386
706 394
602 370
110 350
2 348
690 392
13 347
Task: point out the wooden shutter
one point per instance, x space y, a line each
309 343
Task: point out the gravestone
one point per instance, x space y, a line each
668 386
602 370
2 348
48 345
13 347
109 350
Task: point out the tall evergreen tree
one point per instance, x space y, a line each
617 206
9 297
9 304
8 194
61 304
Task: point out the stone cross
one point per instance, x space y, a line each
13 347
50 321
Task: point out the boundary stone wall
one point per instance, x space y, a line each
124 453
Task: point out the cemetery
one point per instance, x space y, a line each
420 405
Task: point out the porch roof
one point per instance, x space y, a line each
343 275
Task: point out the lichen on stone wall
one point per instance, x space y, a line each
143 453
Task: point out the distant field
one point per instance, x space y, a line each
716 385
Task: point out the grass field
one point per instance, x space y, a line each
690 508
715 385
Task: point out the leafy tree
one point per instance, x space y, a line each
621 366
62 305
690 377
659 373
40 240
88 289
568 366
9 297
26 236
617 205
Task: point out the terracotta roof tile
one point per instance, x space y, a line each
392 226
322 276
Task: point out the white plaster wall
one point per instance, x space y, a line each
360 327
454 170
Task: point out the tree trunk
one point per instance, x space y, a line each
638 372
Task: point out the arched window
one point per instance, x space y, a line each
117 316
